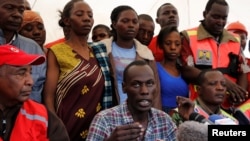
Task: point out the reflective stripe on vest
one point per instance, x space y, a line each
31 123
207 52
34 117
245 106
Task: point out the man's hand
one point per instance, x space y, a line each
236 93
131 132
185 106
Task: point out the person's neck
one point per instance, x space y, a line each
142 118
77 41
4 107
209 108
167 62
8 35
125 43
216 36
139 116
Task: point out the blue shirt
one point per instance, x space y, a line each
171 86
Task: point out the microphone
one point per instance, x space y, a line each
200 118
215 117
220 120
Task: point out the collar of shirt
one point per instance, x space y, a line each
202 33
3 41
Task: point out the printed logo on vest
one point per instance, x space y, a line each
204 57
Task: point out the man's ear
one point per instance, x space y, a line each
204 14
113 24
66 21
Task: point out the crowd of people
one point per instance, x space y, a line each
129 83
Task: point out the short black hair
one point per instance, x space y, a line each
158 10
211 2
104 27
134 63
201 76
145 17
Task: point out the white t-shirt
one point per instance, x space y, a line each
122 57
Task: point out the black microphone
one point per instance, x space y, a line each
200 118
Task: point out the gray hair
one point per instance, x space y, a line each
192 131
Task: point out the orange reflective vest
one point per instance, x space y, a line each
245 108
207 52
31 123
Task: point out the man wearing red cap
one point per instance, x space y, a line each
22 118
11 18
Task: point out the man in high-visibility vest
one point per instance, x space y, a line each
20 117
210 46
240 29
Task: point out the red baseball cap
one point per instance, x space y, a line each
11 55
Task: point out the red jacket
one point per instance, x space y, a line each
31 123
157 52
